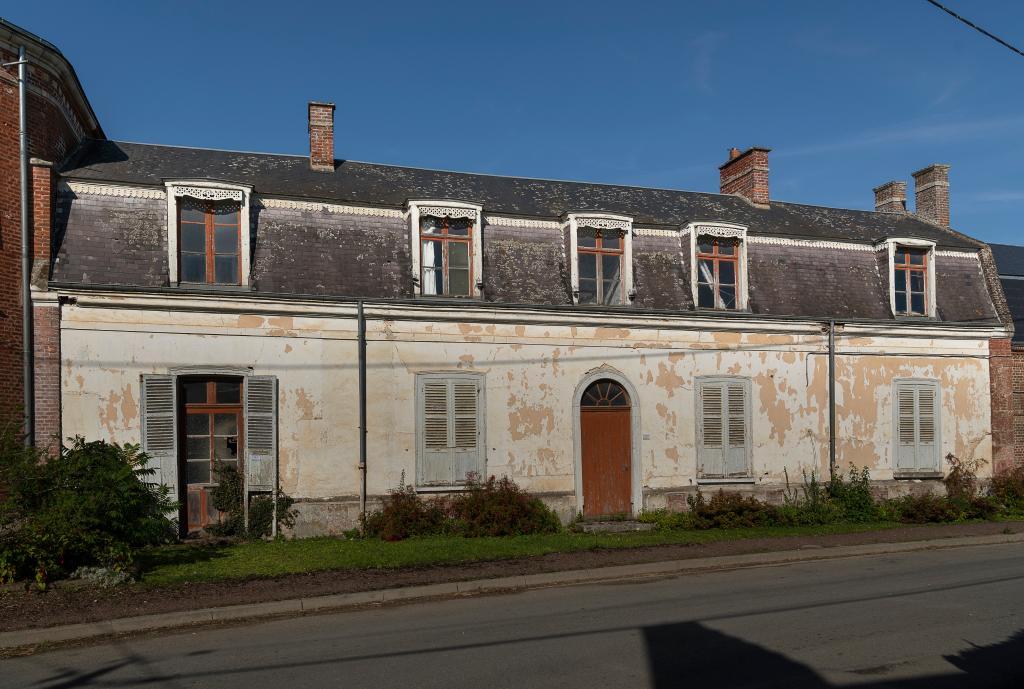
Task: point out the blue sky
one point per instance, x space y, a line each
847 93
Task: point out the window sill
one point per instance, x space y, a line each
203 286
923 475
705 310
453 488
725 481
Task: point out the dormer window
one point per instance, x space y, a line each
209 238
602 258
718 266
208 233
446 248
717 272
911 277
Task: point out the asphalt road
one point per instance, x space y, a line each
948 618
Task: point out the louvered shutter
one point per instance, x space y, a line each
261 433
736 440
465 434
712 431
906 427
435 465
160 429
926 440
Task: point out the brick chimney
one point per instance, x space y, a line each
321 136
42 214
891 197
746 174
931 194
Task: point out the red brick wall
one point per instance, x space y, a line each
1018 406
321 136
46 336
1001 380
51 137
746 175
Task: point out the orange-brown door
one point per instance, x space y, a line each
605 450
212 433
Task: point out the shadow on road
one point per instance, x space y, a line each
688 654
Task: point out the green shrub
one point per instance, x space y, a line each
665 520
91 504
1007 488
930 508
962 479
810 506
730 511
226 497
851 496
496 507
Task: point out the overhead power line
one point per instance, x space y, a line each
974 26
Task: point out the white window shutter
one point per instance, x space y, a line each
465 436
160 429
435 460
917 425
261 433
906 431
927 443
736 442
712 430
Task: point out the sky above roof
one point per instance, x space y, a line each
848 93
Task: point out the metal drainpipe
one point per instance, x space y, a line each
28 373
831 400
362 410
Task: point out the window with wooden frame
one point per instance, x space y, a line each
723 428
446 250
449 424
599 259
213 426
209 241
718 272
910 281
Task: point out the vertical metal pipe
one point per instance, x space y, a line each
831 400
362 409
28 373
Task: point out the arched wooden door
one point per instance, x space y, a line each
605 449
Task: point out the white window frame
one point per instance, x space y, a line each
480 380
936 469
207 190
699 383
601 221
451 209
889 246
726 230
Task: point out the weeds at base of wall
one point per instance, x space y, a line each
227 497
848 499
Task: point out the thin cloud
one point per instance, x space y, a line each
705 47
909 133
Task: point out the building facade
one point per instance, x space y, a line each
612 349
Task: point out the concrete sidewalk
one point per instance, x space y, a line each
298 606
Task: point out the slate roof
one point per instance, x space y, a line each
1010 262
391 186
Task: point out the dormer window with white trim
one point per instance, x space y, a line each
446 249
602 266
911 277
208 233
718 266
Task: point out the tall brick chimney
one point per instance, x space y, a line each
746 174
321 136
931 194
891 197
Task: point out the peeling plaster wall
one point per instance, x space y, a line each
531 372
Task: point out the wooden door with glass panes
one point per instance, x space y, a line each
213 436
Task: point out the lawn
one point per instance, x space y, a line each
193 563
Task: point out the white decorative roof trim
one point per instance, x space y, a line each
602 223
948 253
523 222
653 232
318 207
92 189
449 212
207 193
716 229
814 243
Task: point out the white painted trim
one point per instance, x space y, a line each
322 207
601 221
810 243
636 491
523 222
720 229
239 192
889 246
654 232
459 209
99 189
946 253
